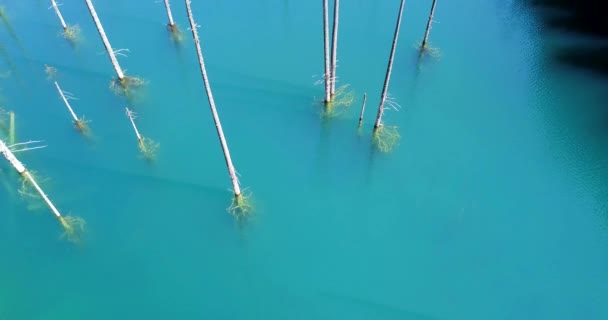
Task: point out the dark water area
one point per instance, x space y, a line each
586 21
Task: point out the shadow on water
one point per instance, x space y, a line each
584 18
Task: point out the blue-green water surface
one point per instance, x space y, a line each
492 206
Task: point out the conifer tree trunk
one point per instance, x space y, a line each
428 25
334 45
216 118
326 54
63 24
106 42
169 15
389 68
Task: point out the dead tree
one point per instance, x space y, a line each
231 170
428 26
119 73
334 48
327 74
389 68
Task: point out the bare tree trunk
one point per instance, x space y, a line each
67 104
106 42
63 24
334 47
389 69
428 25
131 117
72 225
4 149
362 109
326 56
216 118
169 15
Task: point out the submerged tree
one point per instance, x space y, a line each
339 97
428 26
123 81
386 137
79 123
362 109
69 32
334 48
327 75
72 226
240 204
147 146
172 26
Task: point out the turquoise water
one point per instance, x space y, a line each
491 207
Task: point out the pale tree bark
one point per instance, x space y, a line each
63 24
216 118
334 47
72 226
106 42
389 68
8 154
67 103
428 25
169 15
326 54
132 118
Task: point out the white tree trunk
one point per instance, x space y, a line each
105 40
216 118
389 69
65 100
169 15
334 47
130 115
326 54
428 25
21 169
63 24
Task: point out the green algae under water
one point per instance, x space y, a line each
491 206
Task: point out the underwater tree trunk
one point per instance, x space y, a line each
106 42
362 109
428 25
130 115
21 169
326 54
169 15
216 118
334 47
63 24
389 69
67 104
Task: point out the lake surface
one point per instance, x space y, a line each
493 205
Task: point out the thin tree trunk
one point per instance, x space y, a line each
21 169
130 115
169 15
428 25
63 24
334 47
67 104
106 42
326 57
389 69
216 118
362 109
